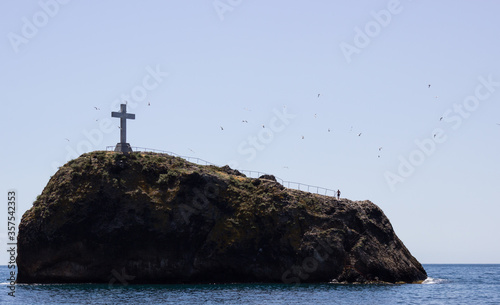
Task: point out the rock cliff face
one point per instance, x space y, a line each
152 218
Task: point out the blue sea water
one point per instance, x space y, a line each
447 284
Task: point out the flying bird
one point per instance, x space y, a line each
149 103
429 85
263 126
319 94
97 108
441 118
67 139
302 137
359 135
244 121
221 128
380 148
328 129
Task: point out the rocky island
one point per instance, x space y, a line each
161 219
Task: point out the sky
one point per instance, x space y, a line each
396 102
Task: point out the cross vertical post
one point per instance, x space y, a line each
123 146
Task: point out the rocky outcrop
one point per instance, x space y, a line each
153 218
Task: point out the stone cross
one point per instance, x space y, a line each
123 146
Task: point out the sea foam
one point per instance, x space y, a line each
431 280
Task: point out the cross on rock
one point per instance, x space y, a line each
123 146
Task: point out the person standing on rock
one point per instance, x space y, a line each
338 194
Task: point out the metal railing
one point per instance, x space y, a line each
249 173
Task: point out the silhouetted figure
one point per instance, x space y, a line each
338 194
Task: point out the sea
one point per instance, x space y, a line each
447 284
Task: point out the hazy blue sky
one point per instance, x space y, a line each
203 65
